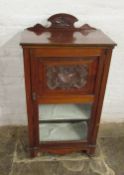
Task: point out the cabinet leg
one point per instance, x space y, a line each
32 153
91 151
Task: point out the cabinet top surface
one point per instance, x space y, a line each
63 32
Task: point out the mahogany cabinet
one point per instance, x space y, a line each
66 70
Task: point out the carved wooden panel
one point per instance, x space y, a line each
67 77
61 76
61 21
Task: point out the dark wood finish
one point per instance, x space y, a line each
62 32
65 64
52 52
32 119
61 99
63 147
61 21
66 77
49 71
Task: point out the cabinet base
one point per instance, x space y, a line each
89 150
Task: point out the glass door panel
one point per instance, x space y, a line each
64 122
64 111
63 131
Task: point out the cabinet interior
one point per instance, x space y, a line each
62 122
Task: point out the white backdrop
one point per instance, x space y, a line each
16 15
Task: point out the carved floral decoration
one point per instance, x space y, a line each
67 77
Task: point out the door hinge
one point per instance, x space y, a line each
34 96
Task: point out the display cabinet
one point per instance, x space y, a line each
66 70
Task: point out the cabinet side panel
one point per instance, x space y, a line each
100 92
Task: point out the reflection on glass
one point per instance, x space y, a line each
64 111
63 122
63 131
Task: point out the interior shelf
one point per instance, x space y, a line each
64 112
63 131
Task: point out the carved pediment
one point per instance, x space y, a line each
61 21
